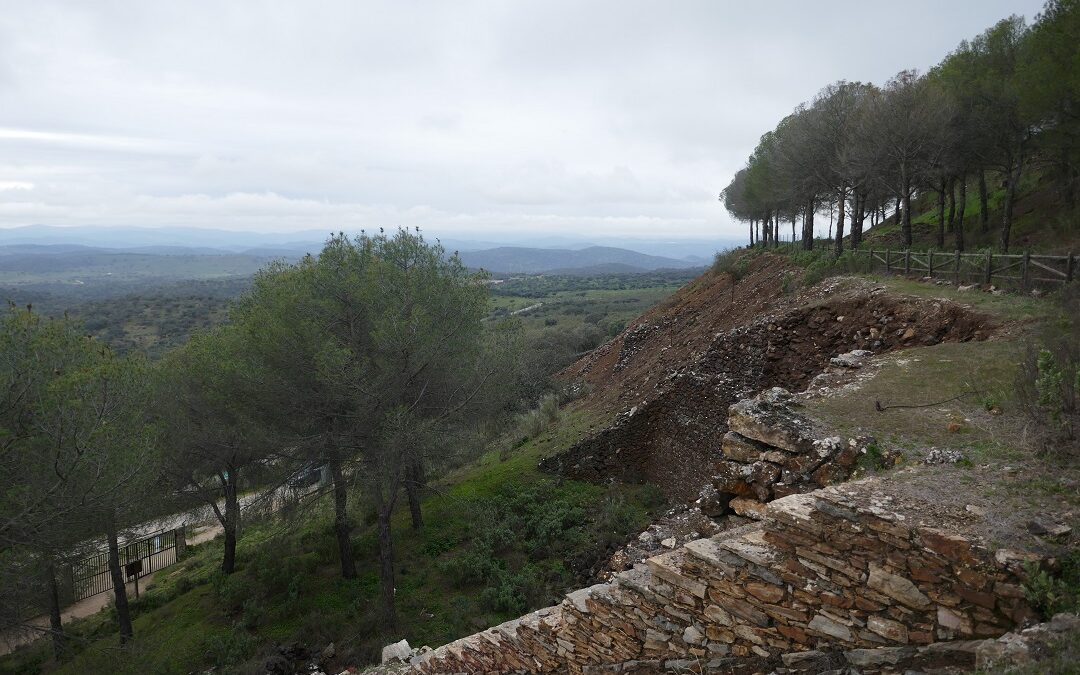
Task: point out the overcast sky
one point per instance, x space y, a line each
595 118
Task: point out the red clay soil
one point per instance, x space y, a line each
668 380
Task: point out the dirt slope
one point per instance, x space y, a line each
667 381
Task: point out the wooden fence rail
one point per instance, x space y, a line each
1025 268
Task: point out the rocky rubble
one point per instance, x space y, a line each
772 451
675 528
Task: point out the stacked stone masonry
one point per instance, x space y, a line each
828 577
773 451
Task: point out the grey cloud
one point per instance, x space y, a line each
621 116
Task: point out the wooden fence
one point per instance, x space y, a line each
1026 269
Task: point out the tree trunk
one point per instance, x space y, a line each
793 218
951 220
808 227
385 509
984 202
1007 209
123 614
56 626
961 207
860 220
840 201
906 227
413 483
232 518
341 522
751 233
941 214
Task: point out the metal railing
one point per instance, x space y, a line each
90 575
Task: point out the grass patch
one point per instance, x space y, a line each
926 375
1010 307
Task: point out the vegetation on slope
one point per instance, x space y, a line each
499 538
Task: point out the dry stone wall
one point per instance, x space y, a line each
828 577
773 451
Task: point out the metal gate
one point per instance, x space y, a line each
138 558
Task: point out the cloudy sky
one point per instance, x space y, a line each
607 118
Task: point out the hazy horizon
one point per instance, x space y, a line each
472 119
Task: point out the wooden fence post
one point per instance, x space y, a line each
989 267
907 261
929 262
957 267
1024 266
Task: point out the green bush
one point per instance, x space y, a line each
535 523
230 647
822 263
549 408
232 590
873 460
510 592
1049 381
253 612
1050 594
735 262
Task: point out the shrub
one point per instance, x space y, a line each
254 610
823 263
532 423
230 647
547 413
549 408
232 590
735 262
615 519
1050 594
616 327
873 460
789 284
1048 389
510 591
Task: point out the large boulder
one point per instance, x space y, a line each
399 652
770 418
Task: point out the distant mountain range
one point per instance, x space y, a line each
521 260
43 254
168 240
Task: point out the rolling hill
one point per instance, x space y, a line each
516 259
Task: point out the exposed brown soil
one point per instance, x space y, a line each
669 378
